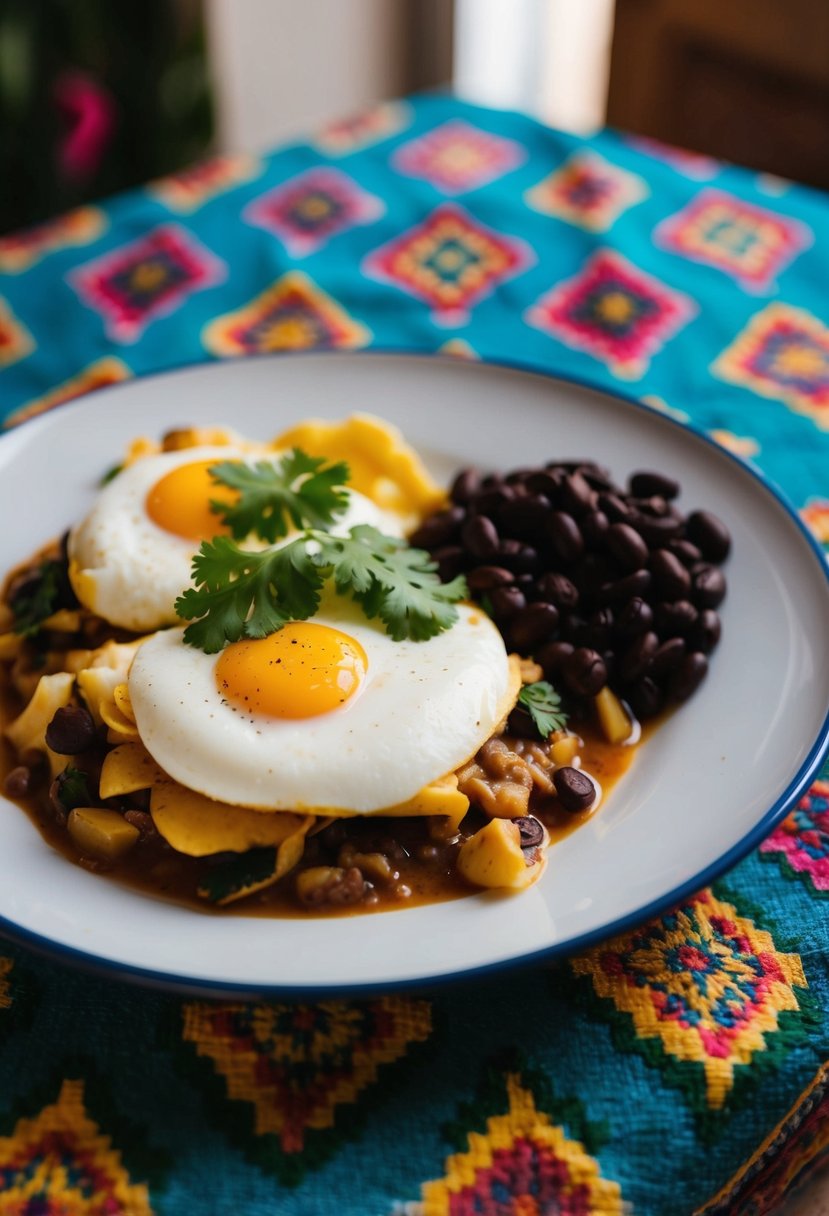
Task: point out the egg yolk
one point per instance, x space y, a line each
301 671
180 501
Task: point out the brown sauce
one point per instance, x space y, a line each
425 867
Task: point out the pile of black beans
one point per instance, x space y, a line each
598 584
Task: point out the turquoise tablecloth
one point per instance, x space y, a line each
680 1068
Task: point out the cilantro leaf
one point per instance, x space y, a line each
240 594
72 788
274 494
543 704
391 580
37 599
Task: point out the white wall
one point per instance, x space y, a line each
283 67
550 58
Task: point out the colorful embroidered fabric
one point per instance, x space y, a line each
681 1068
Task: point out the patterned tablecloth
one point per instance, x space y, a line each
680 1068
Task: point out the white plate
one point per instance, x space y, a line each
704 789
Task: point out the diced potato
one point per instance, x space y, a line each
615 723
128 768
493 856
565 750
101 832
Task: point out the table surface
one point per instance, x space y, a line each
680 1068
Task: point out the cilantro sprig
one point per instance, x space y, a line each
543 704
239 594
276 494
37 600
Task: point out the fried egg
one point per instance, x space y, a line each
329 715
130 557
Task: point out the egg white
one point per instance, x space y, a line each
130 571
423 709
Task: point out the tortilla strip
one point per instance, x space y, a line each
198 826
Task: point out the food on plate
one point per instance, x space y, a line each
611 590
130 557
372 693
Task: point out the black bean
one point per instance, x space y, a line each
506 601
571 627
465 486
635 618
532 833
675 619
642 485
671 579
450 559
563 533
597 630
525 517
18 782
645 697
593 528
575 494
72 730
553 656
596 475
492 502
544 482
520 723
688 676
687 552
585 671
706 632
485 578
532 625
627 546
480 536
655 506
709 534
655 532
667 657
637 584
614 507
439 529
558 589
636 660
708 587
518 557
594 571
518 476
576 792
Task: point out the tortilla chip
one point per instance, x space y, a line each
128 768
198 826
381 464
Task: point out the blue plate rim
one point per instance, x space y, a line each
799 783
